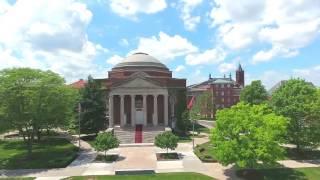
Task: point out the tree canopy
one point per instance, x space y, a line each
246 134
182 120
255 93
105 141
93 105
299 101
203 106
166 140
33 100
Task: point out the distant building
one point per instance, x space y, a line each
276 87
226 91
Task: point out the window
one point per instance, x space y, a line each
222 93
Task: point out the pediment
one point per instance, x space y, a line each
138 83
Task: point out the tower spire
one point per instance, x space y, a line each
240 76
240 67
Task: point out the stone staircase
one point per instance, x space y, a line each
126 135
149 133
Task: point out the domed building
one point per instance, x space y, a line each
142 98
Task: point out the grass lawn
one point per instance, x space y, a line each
48 153
199 128
183 138
285 174
205 152
162 176
18 178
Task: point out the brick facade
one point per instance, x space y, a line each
225 91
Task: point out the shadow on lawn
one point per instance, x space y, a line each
231 173
294 154
271 174
13 144
49 153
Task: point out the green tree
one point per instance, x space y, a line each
34 100
255 93
298 100
246 134
105 142
93 107
182 122
166 140
203 106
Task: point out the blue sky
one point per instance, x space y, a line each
273 40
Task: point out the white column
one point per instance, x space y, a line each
155 109
110 110
144 110
122 123
133 110
165 96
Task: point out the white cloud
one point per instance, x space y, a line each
165 47
48 35
244 12
115 59
130 8
4 6
310 74
237 35
124 42
263 56
196 77
187 6
271 77
180 68
227 67
268 78
286 25
210 56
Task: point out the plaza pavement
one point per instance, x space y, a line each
141 158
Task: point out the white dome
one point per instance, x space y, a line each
140 59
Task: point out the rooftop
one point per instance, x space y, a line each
140 59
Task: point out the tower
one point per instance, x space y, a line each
240 76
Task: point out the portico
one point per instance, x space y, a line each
142 99
131 109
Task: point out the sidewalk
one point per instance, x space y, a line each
141 158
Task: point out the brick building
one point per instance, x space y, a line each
140 92
225 91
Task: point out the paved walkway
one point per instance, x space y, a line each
141 158
206 123
136 158
86 155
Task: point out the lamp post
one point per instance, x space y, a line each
79 114
193 134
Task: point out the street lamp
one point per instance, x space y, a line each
79 114
193 121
